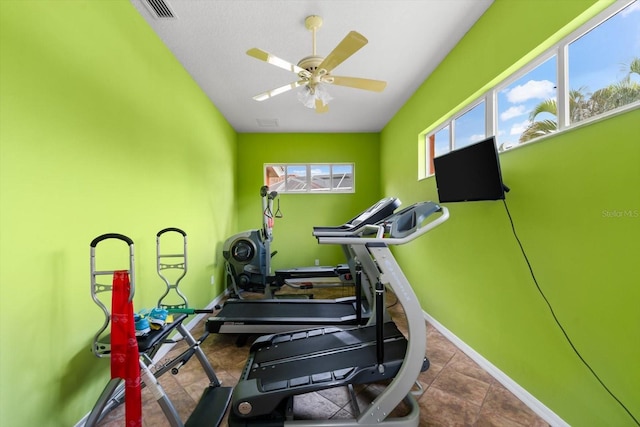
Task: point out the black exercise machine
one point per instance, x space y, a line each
262 316
248 254
373 214
282 366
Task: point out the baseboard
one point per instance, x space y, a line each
527 398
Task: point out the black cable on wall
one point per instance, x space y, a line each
564 332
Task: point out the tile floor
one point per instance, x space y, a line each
457 392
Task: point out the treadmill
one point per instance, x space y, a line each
282 366
375 213
266 316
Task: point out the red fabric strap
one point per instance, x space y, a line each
124 348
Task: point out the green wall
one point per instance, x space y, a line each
575 202
292 236
102 131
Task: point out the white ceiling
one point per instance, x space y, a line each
407 40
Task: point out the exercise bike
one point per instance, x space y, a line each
248 254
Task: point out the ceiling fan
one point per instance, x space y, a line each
315 71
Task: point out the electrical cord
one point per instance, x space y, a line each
395 302
533 276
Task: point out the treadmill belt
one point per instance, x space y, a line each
304 272
299 311
324 367
265 388
307 343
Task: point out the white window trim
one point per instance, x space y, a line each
308 189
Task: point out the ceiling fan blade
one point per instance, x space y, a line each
321 107
353 42
277 91
358 83
278 62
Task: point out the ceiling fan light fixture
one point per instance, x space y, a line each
308 95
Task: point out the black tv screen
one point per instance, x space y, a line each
471 173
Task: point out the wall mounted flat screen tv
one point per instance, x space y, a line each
470 173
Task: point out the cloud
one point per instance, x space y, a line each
533 89
518 128
477 137
635 7
512 112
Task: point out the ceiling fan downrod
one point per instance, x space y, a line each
312 23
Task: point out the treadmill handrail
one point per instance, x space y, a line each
420 230
377 229
362 228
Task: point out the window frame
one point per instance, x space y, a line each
308 177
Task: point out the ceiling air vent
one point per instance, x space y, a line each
160 8
267 123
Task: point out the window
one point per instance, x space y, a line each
594 71
469 127
321 177
310 178
527 107
438 143
342 178
442 141
604 66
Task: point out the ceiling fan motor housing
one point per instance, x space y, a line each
310 63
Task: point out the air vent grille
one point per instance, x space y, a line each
160 8
267 123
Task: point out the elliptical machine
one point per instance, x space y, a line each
248 254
